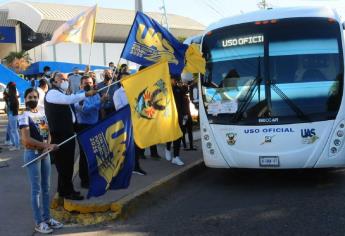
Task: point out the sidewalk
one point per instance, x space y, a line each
15 208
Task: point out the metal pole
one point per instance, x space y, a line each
44 154
165 15
138 5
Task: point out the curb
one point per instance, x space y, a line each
88 214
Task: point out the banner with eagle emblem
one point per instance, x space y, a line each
153 109
148 43
109 149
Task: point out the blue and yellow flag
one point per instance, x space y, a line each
79 29
154 114
109 149
148 43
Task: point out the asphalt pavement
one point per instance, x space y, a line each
241 202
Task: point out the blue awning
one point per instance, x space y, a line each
37 67
7 75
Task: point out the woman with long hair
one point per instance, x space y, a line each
12 104
36 140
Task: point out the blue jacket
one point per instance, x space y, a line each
87 110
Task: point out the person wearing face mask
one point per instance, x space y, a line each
107 94
87 115
61 118
112 67
36 140
74 81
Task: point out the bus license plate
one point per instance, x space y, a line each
269 161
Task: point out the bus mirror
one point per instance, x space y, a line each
343 25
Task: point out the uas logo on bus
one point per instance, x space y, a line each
308 136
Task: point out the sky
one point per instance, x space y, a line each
203 11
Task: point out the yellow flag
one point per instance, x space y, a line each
79 29
195 63
153 109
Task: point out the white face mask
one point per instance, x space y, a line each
64 86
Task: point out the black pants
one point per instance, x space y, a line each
188 127
153 150
176 146
138 153
141 151
64 161
83 166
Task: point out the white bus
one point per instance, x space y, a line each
272 94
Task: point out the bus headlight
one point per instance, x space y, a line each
337 142
340 133
211 151
206 137
208 144
334 150
337 139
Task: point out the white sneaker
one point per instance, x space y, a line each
14 148
54 224
167 155
43 228
7 143
177 161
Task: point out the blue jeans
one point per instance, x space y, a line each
8 139
39 174
13 125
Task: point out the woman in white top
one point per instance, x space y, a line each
36 140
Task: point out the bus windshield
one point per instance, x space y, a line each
279 71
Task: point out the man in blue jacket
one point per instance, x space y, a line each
87 115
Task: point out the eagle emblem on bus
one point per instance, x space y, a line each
231 138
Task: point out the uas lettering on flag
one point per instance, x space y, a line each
109 149
148 43
153 110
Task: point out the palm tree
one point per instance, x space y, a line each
18 61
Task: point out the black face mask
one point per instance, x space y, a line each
31 104
107 78
87 87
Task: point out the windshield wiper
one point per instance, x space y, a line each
254 86
300 114
247 99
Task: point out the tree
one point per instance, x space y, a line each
18 61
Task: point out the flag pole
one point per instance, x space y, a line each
93 35
118 63
44 154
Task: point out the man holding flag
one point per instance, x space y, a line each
60 119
